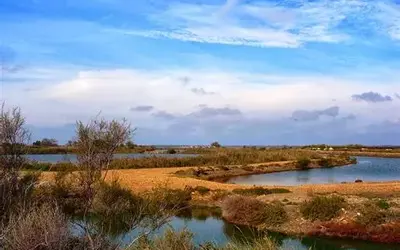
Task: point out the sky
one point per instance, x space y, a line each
241 72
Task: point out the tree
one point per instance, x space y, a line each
215 144
48 142
130 145
37 143
13 138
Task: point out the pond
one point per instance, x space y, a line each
54 158
207 226
366 169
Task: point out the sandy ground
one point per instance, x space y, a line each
144 179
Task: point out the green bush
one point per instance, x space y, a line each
322 208
383 204
303 163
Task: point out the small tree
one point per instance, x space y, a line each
13 138
215 144
96 144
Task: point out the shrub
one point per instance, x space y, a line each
383 204
16 192
325 162
219 195
170 198
171 151
303 163
170 240
322 207
276 214
259 191
371 214
43 226
202 190
250 211
117 208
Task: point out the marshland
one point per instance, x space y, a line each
210 198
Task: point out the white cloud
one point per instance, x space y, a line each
114 92
266 24
388 14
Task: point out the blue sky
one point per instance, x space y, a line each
191 72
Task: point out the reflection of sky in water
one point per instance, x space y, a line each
220 232
367 169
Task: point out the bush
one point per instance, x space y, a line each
183 240
371 214
325 162
16 192
170 240
259 191
250 211
43 226
202 190
171 151
65 191
303 163
117 208
219 195
383 204
322 207
170 199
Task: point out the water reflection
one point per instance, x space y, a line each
207 226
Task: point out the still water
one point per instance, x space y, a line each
207 226
366 169
54 158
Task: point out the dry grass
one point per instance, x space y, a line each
250 211
41 228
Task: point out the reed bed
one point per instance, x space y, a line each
218 158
